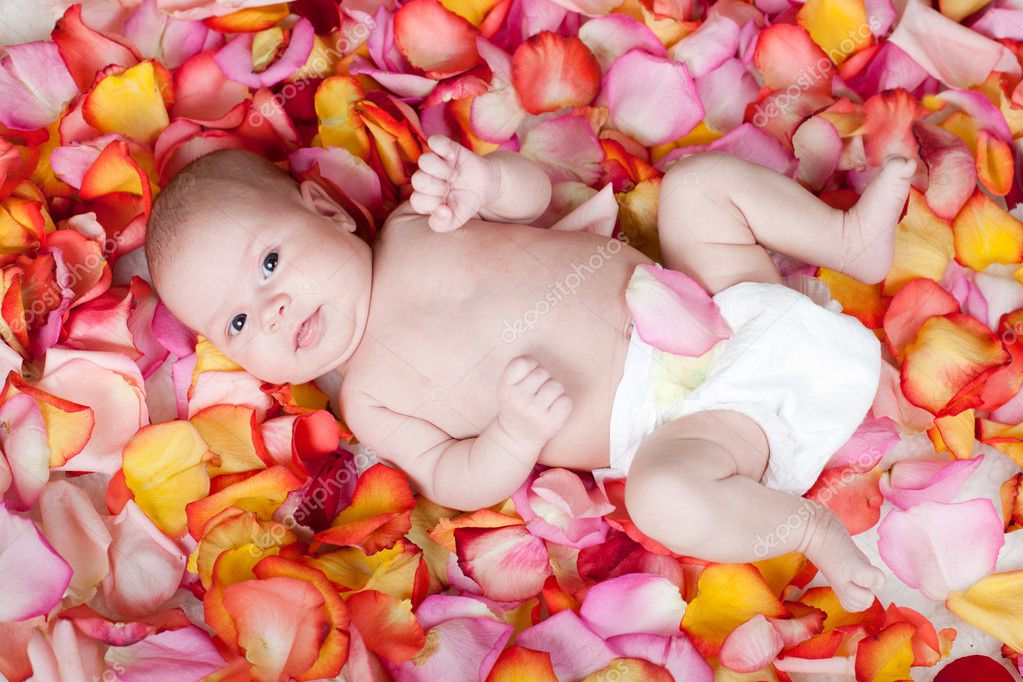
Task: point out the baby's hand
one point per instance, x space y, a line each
452 184
531 405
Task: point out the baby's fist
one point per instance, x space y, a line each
452 184
531 405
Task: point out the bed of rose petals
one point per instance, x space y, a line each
237 540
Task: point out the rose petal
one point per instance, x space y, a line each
28 593
633 603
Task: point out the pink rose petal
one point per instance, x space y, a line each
709 46
463 649
873 439
112 386
947 50
725 92
911 482
610 36
509 563
751 646
24 443
145 566
184 654
951 172
235 58
576 651
677 654
926 546
77 531
162 37
27 593
631 603
650 98
597 214
566 147
35 86
672 312
818 147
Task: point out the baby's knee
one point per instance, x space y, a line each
670 507
697 173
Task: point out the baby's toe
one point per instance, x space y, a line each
853 597
903 167
870 577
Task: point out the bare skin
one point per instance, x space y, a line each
489 345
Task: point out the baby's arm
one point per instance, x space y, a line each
453 185
479 472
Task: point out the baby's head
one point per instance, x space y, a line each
269 270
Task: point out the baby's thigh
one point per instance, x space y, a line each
708 445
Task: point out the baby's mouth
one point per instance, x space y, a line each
308 331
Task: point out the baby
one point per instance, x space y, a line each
417 326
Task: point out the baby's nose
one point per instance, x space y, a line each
273 312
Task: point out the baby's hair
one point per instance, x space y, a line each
201 186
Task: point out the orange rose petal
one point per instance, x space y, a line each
118 493
780 571
339 126
86 51
261 493
854 497
928 644
957 10
863 301
985 233
1006 438
519 664
916 302
393 571
133 103
888 125
68 425
556 598
444 532
550 71
235 536
114 170
22 227
631 670
825 599
387 625
947 363
923 245
1011 493
334 650
165 468
786 54
839 27
727 596
995 166
473 11
379 515
886 657
231 433
249 19
995 605
1003 384
418 23
955 433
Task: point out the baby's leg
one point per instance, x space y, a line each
716 212
694 487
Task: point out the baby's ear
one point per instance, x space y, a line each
317 200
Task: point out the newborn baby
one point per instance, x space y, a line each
441 377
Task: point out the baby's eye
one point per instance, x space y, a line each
237 322
269 263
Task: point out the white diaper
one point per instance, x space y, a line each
806 374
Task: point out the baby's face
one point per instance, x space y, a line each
280 289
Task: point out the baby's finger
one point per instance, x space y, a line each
534 380
435 166
518 368
549 392
428 184
441 220
445 147
424 204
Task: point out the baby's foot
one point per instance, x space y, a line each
850 574
869 226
